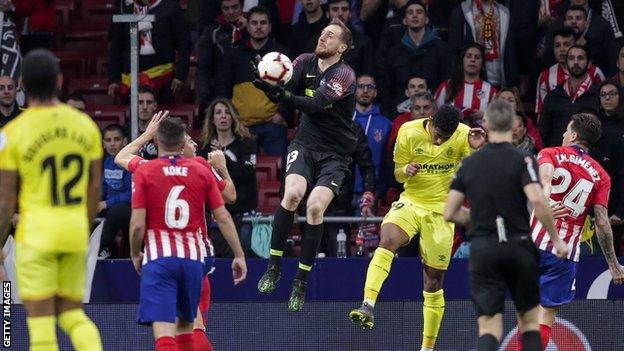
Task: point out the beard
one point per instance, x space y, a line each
365 102
6 104
323 53
578 72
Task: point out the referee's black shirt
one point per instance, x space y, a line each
493 180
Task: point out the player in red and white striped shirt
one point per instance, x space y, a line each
575 183
467 89
558 73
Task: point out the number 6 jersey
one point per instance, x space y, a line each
173 191
579 183
51 149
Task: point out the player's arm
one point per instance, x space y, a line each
137 235
8 202
546 171
217 160
228 229
95 188
453 209
605 238
132 149
403 166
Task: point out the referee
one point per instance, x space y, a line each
497 181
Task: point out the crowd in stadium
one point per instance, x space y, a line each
549 58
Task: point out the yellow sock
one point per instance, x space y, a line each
81 330
433 310
378 271
42 332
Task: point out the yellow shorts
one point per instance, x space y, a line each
436 234
41 275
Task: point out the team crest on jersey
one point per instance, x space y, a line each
378 135
3 140
336 87
449 152
419 151
481 94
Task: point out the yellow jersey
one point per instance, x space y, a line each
429 187
51 148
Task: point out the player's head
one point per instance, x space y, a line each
416 84
221 117
340 9
77 101
584 129
8 92
577 61
41 75
444 123
113 139
147 103
423 105
499 117
171 135
335 39
190 147
366 90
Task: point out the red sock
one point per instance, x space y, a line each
185 342
518 340
545 335
201 340
165 343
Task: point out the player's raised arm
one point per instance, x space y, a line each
132 149
605 238
217 160
228 229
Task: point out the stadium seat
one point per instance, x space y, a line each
95 91
89 42
268 196
101 66
104 118
266 172
73 64
184 111
98 10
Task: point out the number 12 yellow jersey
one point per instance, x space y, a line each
428 188
51 148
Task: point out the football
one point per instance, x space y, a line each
275 67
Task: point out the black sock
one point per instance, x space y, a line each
282 224
531 341
309 247
487 342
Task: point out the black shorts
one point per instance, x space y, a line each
326 169
495 267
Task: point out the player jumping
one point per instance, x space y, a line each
426 154
52 155
318 158
576 183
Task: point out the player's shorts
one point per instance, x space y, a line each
170 288
42 274
556 280
495 267
326 169
436 234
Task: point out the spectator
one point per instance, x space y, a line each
415 84
420 52
563 39
376 128
423 105
39 23
223 131
619 77
229 29
468 89
9 108
613 13
164 50
520 138
147 108
361 55
575 94
512 96
609 152
9 44
311 23
593 32
235 80
116 193
487 23
77 101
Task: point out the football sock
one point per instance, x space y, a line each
433 311
185 342
487 342
531 341
282 224
201 340
378 271
165 343
42 332
545 335
83 333
313 233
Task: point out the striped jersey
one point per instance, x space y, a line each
472 97
578 182
555 75
174 192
